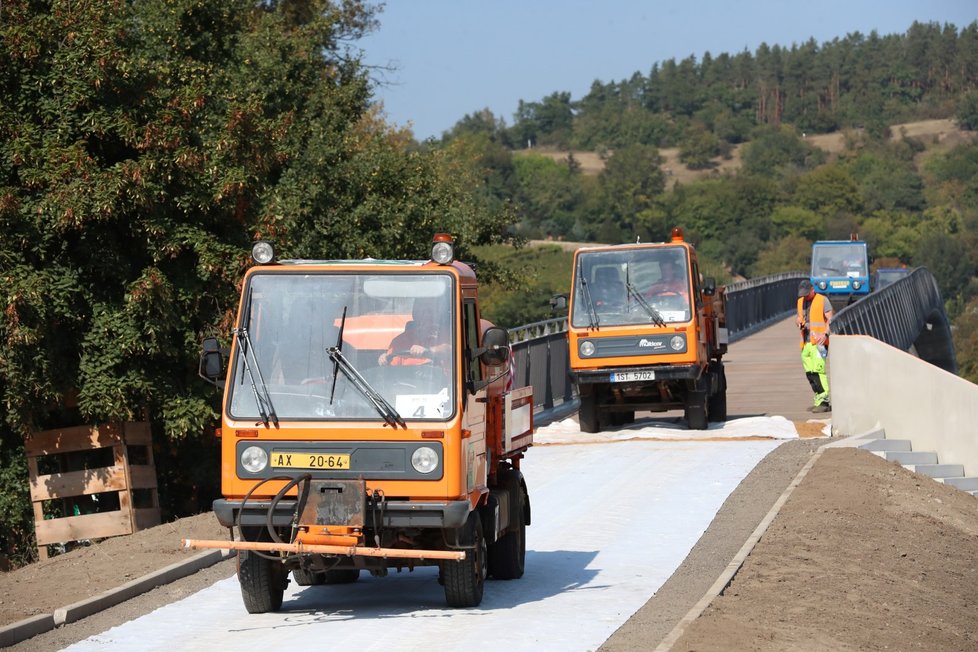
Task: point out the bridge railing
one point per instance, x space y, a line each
908 315
759 302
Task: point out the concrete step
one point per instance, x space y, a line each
887 445
937 470
965 484
909 457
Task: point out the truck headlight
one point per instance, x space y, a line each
856 285
254 459
587 348
424 459
822 285
677 343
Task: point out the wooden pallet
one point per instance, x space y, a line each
122 477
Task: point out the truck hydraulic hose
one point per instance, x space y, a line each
271 509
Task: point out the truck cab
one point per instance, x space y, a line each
646 333
887 276
368 423
840 270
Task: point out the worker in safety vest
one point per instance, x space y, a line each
814 315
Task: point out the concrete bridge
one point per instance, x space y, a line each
892 371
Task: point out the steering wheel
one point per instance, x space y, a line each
408 354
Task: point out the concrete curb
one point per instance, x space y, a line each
30 627
25 629
731 570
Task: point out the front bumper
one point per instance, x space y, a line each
395 513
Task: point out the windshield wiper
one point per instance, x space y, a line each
384 409
338 347
262 399
592 314
653 313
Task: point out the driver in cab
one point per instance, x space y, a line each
670 282
424 339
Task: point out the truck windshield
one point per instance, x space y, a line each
844 260
632 286
398 335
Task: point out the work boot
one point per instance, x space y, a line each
824 407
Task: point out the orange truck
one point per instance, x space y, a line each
646 332
368 424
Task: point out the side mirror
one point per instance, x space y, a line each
709 286
495 346
211 367
558 303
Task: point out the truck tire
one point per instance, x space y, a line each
262 581
717 403
305 577
466 579
696 410
507 556
588 413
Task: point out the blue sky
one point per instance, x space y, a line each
454 57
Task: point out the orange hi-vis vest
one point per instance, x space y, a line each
814 320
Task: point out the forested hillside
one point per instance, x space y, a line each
759 184
144 145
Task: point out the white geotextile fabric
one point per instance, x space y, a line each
569 432
611 522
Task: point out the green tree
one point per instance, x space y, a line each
778 150
544 123
632 182
790 253
699 148
143 146
947 257
828 189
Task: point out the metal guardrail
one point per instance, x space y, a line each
908 314
759 302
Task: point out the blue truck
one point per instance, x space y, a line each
840 270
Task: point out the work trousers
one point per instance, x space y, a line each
813 361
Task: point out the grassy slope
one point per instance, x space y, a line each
933 133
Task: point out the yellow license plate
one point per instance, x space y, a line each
294 460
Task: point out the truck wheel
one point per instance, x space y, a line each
465 580
305 577
262 581
717 403
507 557
696 410
588 414
344 576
